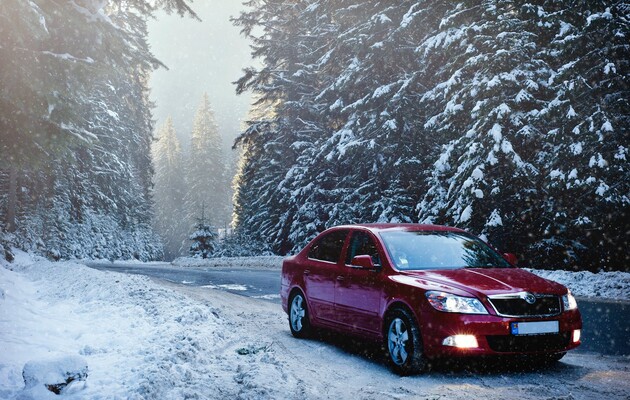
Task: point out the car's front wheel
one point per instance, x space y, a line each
404 343
298 316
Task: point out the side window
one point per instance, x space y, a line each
362 244
329 247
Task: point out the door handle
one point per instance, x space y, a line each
341 278
307 271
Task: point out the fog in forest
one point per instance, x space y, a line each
201 56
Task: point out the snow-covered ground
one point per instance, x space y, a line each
143 339
610 285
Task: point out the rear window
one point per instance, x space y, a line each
329 247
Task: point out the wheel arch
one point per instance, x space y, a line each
394 305
298 289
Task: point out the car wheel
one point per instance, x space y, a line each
298 316
403 343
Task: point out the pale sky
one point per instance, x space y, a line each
202 57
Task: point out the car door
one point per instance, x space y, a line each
358 291
323 266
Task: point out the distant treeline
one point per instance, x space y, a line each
507 118
192 190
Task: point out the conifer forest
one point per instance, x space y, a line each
510 119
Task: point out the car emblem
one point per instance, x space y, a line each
529 298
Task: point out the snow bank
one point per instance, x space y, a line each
138 339
611 285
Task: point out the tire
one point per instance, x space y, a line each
403 343
298 316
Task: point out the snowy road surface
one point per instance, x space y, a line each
257 283
606 328
144 339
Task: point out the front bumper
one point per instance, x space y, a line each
493 334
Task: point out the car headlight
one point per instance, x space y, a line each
569 302
451 303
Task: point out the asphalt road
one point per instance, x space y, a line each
606 323
263 284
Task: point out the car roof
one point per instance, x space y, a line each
401 227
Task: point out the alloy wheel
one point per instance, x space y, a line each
397 341
298 312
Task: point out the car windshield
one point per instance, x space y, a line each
439 250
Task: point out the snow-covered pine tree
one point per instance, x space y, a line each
489 93
42 97
370 166
203 237
169 190
287 127
328 154
206 170
77 130
585 158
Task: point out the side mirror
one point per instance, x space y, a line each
511 258
363 261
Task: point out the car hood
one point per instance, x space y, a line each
488 281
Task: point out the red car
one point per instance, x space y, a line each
426 291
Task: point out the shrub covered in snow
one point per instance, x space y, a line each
241 245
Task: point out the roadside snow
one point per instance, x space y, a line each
145 339
610 285
140 340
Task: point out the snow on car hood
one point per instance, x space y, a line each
489 281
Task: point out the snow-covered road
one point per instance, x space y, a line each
603 297
155 340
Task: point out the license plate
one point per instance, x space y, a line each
534 328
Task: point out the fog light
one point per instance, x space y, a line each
576 335
461 341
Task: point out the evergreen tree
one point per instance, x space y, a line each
169 190
202 238
586 203
328 151
370 166
264 205
76 126
487 104
206 169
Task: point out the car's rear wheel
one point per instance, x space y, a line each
298 316
404 343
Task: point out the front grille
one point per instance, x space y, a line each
547 343
545 305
